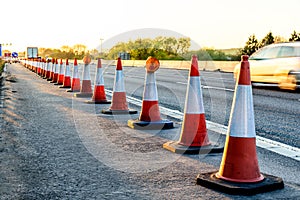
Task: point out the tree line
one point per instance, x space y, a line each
166 48
253 44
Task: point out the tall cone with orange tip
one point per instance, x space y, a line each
52 70
150 114
119 102
194 136
75 85
47 69
67 76
55 72
60 79
99 96
86 86
239 171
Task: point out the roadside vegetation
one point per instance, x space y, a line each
2 62
166 48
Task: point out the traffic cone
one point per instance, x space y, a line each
119 102
38 66
42 67
60 79
47 69
239 171
86 86
55 72
150 114
67 76
193 137
75 85
52 69
99 96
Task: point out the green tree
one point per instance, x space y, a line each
294 37
268 39
251 46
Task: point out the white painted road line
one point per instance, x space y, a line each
277 147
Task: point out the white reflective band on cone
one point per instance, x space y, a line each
99 77
119 82
61 69
194 101
86 72
75 72
150 91
241 122
67 71
56 68
48 67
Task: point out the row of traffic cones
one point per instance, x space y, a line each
239 170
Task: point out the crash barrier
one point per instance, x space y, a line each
239 170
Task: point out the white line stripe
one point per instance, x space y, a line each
277 147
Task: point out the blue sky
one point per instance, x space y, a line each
218 24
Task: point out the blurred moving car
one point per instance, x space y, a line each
276 63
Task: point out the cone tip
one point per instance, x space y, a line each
61 62
99 65
244 75
119 64
75 61
194 66
67 61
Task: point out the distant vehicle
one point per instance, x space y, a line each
32 52
276 63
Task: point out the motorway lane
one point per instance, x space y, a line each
276 112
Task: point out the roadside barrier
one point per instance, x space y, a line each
75 85
60 79
194 137
86 86
150 114
239 171
99 96
119 102
67 76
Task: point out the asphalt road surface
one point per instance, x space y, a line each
55 146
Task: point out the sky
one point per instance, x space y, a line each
219 24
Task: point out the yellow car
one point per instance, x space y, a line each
277 64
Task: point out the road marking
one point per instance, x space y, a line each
217 88
182 83
277 147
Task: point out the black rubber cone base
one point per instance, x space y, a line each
119 112
83 95
269 183
181 149
73 90
64 86
57 84
98 102
157 125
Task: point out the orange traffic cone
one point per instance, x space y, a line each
47 69
60 79
194 137
150 114
86 86
99 96
42 67
119 102
67 76
239 171
52 69
55 72
75 85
